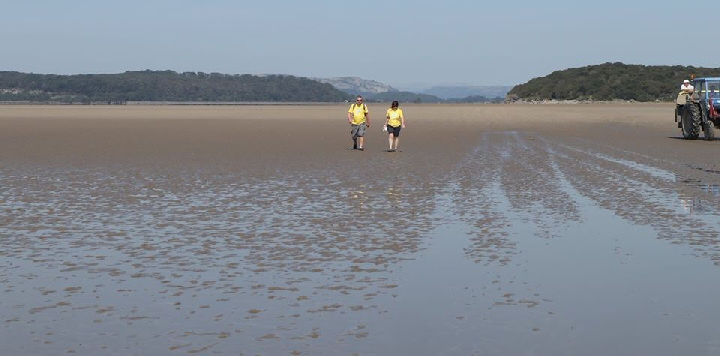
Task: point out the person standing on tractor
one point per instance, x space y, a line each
686 87
359 120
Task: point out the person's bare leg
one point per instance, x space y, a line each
397 142
390 141
354 142
361 142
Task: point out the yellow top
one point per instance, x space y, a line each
395 117
359 113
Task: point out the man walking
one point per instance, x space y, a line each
359 119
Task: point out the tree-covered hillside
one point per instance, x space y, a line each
611 81
164 86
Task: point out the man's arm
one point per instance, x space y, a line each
350 118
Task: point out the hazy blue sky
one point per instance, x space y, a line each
395 42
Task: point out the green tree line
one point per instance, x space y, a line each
610 81
164 86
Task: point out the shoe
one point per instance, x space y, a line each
391 150
361 149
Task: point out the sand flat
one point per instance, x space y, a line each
498 230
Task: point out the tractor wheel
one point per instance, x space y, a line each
691 121
710 131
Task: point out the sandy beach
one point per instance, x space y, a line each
587 229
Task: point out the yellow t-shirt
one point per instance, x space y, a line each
394 117
359 113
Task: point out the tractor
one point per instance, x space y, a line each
699 110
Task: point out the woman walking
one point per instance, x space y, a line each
394 122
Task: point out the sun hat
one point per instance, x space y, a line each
686 81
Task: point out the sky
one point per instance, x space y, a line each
405 44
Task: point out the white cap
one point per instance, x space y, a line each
686 81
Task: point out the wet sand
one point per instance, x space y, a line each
498 230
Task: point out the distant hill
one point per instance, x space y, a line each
376 91
476 99
460 91
357 86
164 86
404 97
610 81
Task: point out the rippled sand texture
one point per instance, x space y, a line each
498 230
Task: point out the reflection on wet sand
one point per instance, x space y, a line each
271 251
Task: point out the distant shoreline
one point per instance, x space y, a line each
277 103
226 103
150 103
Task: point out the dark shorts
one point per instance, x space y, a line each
358 130
395 131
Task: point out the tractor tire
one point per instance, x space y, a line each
691 121
710 131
